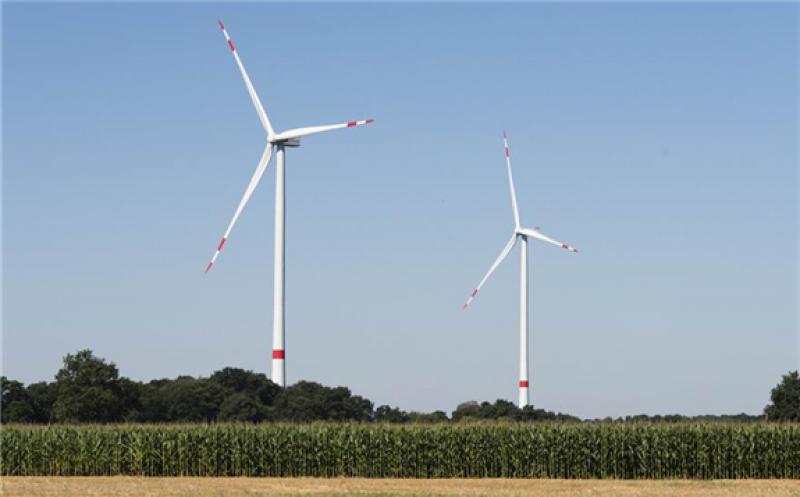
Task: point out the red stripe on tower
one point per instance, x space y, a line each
278 354
523 383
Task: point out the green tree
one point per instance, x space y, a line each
388 414
785 398
15 403
190 399
255 384
309 401
42 396
428 417
88 390
242 407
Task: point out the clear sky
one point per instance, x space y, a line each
661 140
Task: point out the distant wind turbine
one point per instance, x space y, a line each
521 234
280 141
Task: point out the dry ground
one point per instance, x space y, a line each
119 486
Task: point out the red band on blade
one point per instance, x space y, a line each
564 245
507 152
221 26
230 44
209 266
523 383
464 306
350 124
278 354
474 292
219 247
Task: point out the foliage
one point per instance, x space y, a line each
473 449
90 389
785 398
309 401
503 409
16 402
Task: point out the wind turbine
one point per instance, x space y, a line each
521 234
279 141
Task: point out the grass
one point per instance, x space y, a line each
120 486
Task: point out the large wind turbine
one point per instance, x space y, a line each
280 141
521 234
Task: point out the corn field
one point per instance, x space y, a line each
573 450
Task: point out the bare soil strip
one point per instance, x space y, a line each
118 486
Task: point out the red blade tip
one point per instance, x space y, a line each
370 121
221 26
209 266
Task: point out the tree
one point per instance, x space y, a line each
242 407
15 404
309 401
428 417
501 409
190 399
42 396
469 409
88 390
255 384
152 406
785 398
388 414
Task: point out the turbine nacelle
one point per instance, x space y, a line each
290 142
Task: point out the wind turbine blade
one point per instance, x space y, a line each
262 166
511 181
540 236
503 254
310 130
262 115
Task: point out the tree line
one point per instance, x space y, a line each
89 389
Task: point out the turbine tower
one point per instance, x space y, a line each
279 141
521 234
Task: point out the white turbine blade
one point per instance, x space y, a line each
511 181
262 115
497 262
262 166
310 130
539 236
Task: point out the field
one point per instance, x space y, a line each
256 487
695 451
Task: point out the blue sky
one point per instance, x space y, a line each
661 140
